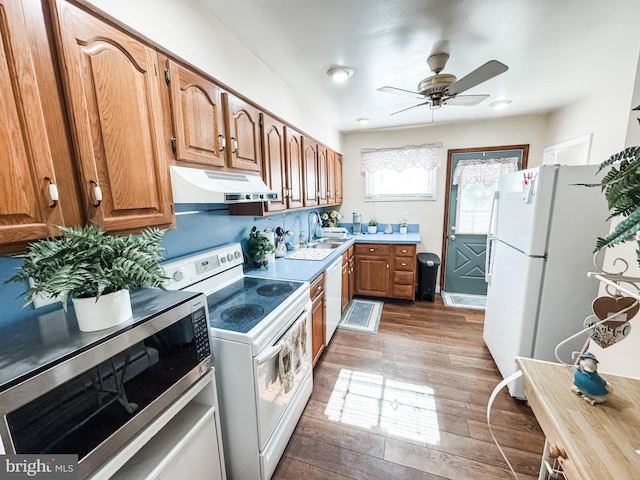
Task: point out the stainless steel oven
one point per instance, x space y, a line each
93 392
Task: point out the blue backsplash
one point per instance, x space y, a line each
195 230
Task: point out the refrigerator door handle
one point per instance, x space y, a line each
491 237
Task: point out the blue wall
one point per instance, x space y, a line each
193 232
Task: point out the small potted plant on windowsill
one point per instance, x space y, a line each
259 248
404 225
373 225
96 270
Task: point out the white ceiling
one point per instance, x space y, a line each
557 51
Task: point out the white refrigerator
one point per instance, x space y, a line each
543 231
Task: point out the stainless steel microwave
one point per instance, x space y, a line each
108 387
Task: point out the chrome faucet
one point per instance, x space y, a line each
314 218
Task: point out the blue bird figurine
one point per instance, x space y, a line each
586 381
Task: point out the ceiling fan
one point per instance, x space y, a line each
444 89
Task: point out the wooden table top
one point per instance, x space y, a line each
602 441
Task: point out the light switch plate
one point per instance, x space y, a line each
405 215
43 300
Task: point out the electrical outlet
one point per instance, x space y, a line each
405 215
43 300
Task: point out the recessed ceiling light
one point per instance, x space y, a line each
500 104
339 74
362 120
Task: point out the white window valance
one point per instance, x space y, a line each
485 172
400 158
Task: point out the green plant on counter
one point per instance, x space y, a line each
87 262
621 187
373 222
259 247
404 224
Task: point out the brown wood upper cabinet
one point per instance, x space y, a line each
244 150
198 134
323 175
337 178
28 188
295 178
115 111
310 171
274 167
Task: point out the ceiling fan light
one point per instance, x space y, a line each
500 104
362 120
339 74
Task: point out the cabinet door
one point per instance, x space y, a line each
345 285
331 180
112 90
322 175
310 172
372 274
26 206
337 178
293 156
352 276
244 150
196 114
273 169
318 317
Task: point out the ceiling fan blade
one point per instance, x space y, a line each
491 69
400 91
465 100
409 108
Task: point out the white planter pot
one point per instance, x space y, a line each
403 229
373 229
110 310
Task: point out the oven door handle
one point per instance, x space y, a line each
269 354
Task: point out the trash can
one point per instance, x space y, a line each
428 264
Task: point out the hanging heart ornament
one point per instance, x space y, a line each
618 326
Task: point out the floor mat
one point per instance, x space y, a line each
362 316
464 300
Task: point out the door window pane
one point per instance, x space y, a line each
474 208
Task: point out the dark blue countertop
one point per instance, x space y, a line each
306 270
42 341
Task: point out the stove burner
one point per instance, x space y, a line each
242 313
274 289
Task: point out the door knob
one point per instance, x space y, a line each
452 237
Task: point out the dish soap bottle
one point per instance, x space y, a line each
301 239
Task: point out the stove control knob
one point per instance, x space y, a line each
230 256
237 254
178 275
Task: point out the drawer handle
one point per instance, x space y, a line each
372 249
403 264
404 251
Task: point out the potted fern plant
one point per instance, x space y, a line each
621 187
96 270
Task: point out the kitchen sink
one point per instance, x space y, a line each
323 245
331 240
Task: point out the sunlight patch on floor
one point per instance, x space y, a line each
368 400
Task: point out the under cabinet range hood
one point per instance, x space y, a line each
193 185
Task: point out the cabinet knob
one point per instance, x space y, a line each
555 451
223 142
234 142
97 193
53 192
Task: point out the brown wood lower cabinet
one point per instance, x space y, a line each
317 317
385 270
348 275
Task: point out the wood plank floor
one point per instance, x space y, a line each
410 403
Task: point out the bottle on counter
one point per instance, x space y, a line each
301 239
